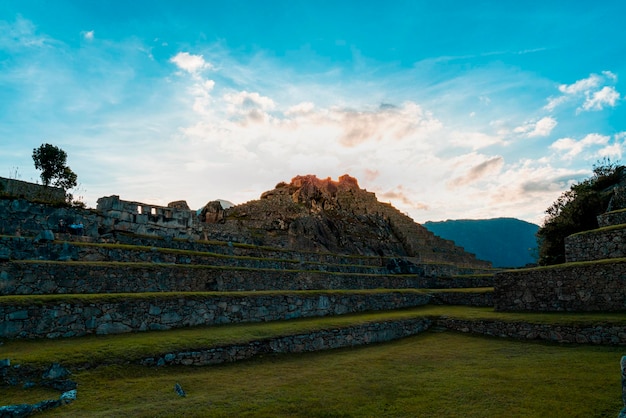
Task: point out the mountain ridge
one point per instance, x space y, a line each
506 242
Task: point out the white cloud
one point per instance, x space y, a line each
581 86
608 96
615 150
190 63
246 100
88 35
303 108
474 140
543 127
571 148
593 91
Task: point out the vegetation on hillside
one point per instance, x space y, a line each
576 210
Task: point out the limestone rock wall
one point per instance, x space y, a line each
318 340
35 192
616 217
69 318
575 287
601 334
596 245
30 278
21 217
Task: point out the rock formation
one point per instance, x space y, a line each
311 214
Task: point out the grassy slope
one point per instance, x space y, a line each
129 347
434 374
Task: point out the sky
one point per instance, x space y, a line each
446 109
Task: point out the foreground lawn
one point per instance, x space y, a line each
431 375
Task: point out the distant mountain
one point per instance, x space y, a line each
506 242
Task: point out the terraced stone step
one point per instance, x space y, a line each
141 249
54 277
52 316
210 345
22 249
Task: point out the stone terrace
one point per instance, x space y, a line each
593 279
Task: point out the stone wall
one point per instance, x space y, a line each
602 334
31 278
67 317
576 287
314 341
387 331
144 219
31 191
617 217
596 245
21 217
483 299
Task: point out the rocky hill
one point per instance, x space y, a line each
311 214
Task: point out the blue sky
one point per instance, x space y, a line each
447 109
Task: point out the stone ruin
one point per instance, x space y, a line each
144 219
308 214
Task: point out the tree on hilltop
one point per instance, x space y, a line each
576 210
52 161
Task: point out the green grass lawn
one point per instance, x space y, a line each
430 375
434 374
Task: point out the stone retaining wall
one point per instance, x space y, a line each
576 287
29 219
617 217
315 341
596 245
70 318
31 191
17 248
593 334
387 331
483 299
28 278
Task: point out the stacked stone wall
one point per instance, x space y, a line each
315 341
617 217
576 287
12 248
31 191
21 217
601 334
481 299
70 317
32 278
596 245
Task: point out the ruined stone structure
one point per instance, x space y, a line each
175 220
592 280
308 214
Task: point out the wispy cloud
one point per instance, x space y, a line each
542 127
20 34
598 100
570 148
475 173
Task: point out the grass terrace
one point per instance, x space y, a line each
432 374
